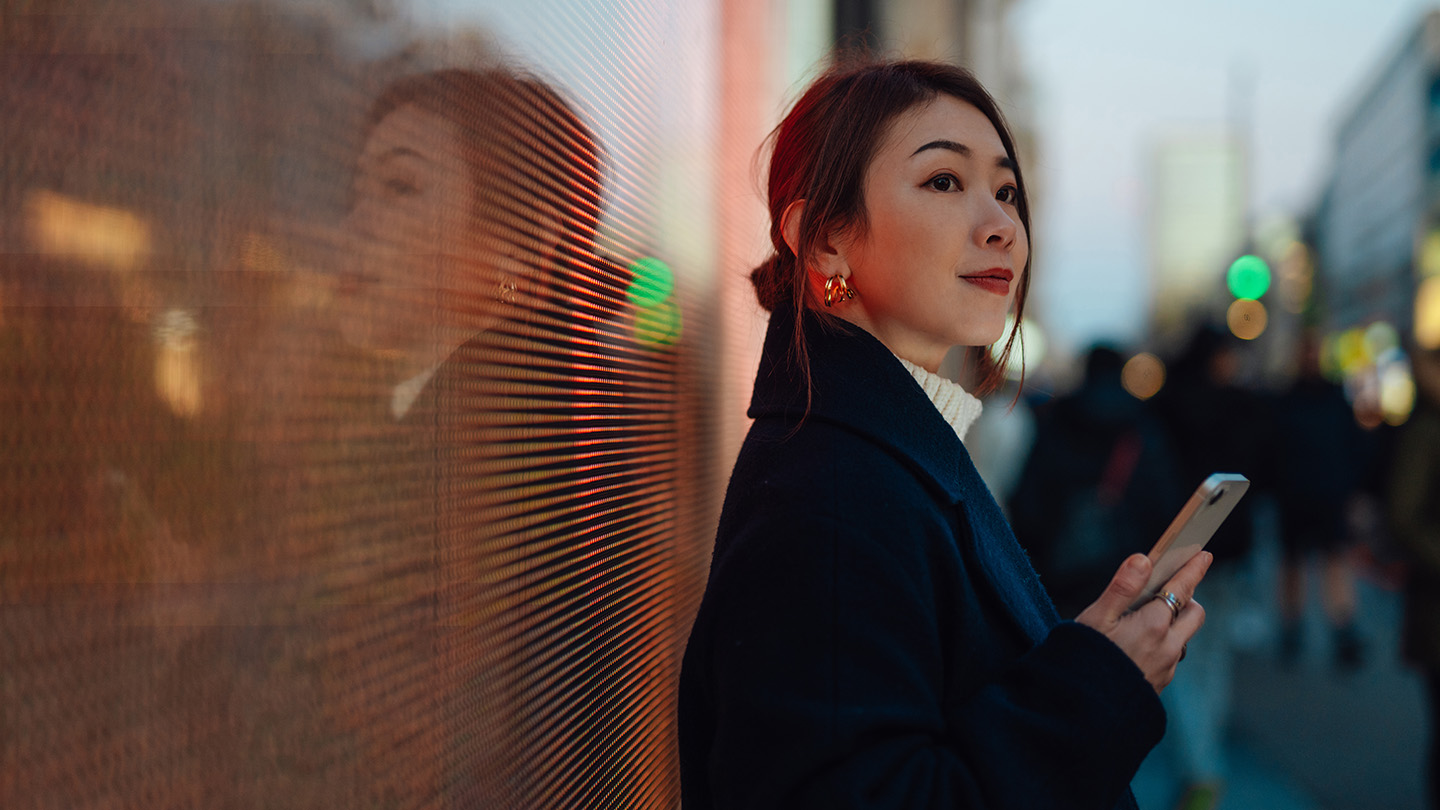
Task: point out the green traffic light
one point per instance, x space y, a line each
1249 277
651 282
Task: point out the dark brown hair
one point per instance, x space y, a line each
516 134
820 154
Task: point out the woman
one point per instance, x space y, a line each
871 635
474 280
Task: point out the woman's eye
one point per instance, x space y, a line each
1009 195
944 182
399 187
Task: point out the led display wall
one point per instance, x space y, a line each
357 436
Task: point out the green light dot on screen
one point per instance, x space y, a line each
658 325
1249 277
651 282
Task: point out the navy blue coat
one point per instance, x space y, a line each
871 635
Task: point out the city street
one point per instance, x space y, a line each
1310 737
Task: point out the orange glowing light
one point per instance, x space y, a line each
1143 375
1247 318
62 226
177 362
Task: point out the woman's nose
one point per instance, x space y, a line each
997 227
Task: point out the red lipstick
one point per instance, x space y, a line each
996 280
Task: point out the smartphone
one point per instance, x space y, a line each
1192 528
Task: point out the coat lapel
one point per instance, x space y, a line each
857 383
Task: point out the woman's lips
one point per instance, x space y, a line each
996 280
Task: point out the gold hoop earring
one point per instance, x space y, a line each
505 291
836 290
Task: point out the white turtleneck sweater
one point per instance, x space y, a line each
959 407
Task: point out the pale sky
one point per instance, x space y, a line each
1111 77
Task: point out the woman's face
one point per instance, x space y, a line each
940 258
411 216
431 249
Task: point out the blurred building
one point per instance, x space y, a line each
1376 229
1197 225
1382 201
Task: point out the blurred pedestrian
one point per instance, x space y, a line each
1216 426
1414 513
1319 463
871 634
1099 484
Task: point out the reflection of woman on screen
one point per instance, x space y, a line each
467 189
475 193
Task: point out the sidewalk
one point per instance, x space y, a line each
1311 737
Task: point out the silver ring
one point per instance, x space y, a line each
1171 601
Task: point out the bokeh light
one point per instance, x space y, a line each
1397 393
1030 347
1246 318
1427 313
1248 277
651 282
1351 352
1330 358
60 225
177 371
1430 255
1297 278
1143 375
1380 339
658 325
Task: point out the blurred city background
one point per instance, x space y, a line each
309 498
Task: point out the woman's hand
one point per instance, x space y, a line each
1152 635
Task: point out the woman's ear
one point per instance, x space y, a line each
827 260
790 225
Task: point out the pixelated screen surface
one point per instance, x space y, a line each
354 443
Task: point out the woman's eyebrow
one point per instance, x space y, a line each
399 152
954 146
1003 162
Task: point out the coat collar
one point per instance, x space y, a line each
859 384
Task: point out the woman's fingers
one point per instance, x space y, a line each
1183 584
1123 590
1188 623
1177 594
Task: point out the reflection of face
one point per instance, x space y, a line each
411 216
422 256
940 260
